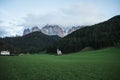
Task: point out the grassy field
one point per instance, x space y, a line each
91 65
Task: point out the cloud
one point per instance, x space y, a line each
8 25
77 14
10 29
1 21
66 15
2 31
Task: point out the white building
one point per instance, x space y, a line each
5 53
59 52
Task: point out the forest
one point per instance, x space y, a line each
105 34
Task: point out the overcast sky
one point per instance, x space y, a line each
16 15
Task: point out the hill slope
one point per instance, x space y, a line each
100 35
33 42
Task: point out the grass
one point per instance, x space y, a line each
91 65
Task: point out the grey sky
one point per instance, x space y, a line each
15 15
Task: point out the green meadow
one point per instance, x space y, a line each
101 64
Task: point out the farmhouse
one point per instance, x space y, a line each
59 52
5 53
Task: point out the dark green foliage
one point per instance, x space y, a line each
31 43
100 35
7 47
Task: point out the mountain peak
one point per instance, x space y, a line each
34 29
26 31
53 30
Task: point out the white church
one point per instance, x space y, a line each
59 52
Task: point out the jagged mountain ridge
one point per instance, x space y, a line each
28 31
51 30
73 29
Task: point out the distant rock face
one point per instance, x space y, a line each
34 29
73 29
53 30
26 31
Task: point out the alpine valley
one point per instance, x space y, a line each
51 37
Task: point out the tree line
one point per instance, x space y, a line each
32 43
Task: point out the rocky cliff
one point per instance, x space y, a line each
53 30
